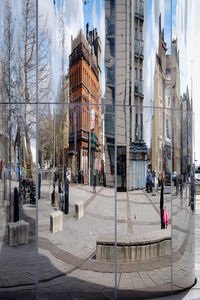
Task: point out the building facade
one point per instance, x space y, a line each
84 112
125 76
176 106
162 114
186 138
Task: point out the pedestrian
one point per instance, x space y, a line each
94 183
165 217
79 176
82 177
161 205
59 186
62 200
149 182
54 180
1 168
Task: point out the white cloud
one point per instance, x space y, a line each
94 15
50 16
73 23
74 20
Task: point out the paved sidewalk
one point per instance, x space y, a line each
194 292
66 259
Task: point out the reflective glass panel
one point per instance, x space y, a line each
17 149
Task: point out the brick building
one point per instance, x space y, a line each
84 113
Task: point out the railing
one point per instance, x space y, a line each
139 132
139 89
110 26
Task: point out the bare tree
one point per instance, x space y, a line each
18 75
29 73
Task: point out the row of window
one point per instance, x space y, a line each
139 7
138 73
138 34
81 75
137 119
138 127
82 116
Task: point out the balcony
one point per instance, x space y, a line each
110 27
139 132
139 9
139 88
139 49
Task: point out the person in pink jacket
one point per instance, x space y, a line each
165 217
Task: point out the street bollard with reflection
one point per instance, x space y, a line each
66 211
16 205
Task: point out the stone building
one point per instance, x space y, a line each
162 118
186 137
176 112
85 97
125 77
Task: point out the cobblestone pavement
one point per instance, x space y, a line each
66 258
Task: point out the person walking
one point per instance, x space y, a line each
1 168
165 217
161 204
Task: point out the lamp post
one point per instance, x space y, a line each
89 172
75 148
89 163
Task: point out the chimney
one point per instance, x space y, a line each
87 31
71 43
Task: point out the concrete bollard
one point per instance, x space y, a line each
79 209
56 221
18 233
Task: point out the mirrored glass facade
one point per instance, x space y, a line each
97 174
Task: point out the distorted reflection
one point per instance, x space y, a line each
143 114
